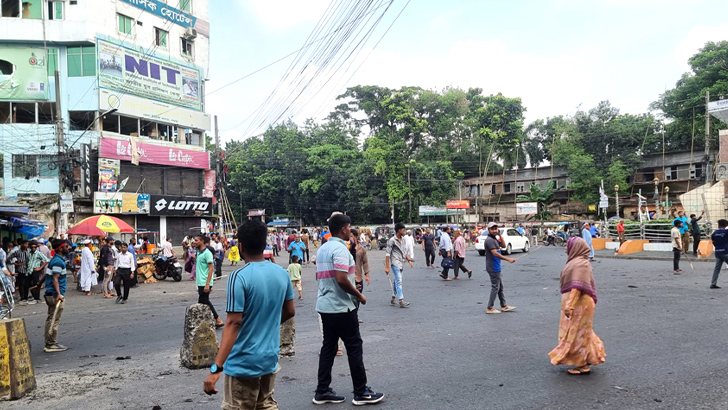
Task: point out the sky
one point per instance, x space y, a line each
558 56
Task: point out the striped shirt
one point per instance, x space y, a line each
19 256
331 257
396 252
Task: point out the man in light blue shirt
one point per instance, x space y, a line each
684 229
586 235
297 247
259 299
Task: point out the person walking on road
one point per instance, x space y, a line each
695 228
337 305
106 265
394 258
459 255
361 261
587 236
409 245
87 272
167 249
720 242
677 245
428 245
204 270
294 272
125 267
445 250
493 244
55 292
620 231
259 299
684 231
578 345
306 239
19 259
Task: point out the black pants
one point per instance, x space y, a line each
430 256
344 326
23 282
204 298
306 256
34 280
122 278
275 250
218 269
696 243
443 253
675 258
459 265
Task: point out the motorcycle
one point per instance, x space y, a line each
555 240
166 267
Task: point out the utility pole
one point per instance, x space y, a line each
218 178
409 185
708 171
62 156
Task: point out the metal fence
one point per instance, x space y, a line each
651 231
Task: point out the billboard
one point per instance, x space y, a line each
23 73
164 11
120 148
526 208
209 184
129 71
427 210
109 170
463 204
172 205
120 203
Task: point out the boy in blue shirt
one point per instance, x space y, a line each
259 299
55 286
493 245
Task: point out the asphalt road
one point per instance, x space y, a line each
664 335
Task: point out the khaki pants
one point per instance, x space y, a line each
621 237
242 393
51 326
686 241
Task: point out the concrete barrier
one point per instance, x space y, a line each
17 377
288 337
199 346
632 246
705 249
600 243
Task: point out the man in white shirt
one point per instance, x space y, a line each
167 250
445 249
409 245
88 269
124 273
219 254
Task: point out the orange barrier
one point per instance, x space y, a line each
705 249
600 243
632 246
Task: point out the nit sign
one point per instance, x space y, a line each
148 69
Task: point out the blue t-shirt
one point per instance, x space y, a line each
685 226
257 290
720 241
297 249
57 266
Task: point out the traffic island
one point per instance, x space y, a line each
200 345
17 377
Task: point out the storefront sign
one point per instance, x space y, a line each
27 78
167 205
256 212
464 204
152 110
426 210
108 174
120 203
131 72
85 171
164 11
152 153
66 203
526 208
209 184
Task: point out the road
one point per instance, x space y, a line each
664 336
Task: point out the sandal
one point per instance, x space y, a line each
447 278
443 276
579 371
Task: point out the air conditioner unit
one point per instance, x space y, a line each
190 33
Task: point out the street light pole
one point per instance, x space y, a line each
616 197
656 197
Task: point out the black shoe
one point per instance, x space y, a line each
329 397
369 397
123 301
714 287
118 299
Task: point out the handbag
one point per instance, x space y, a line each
447 262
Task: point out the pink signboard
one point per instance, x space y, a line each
118 148
209 184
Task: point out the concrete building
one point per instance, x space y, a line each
130 104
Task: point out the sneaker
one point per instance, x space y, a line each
123 301
392 302
492 311
403 304
368 397
118 299
55 348
300 298
508 308
22 303
32 302
329 397
714 287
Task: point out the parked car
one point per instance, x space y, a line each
513 240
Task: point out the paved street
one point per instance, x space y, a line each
664 336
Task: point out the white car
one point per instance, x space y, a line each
513 239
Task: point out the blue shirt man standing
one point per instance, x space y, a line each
55 285
720 242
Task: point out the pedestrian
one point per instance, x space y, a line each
87 272
37 263
677 243
268 254
684 231
294 272
42 248
458 246
125 267
234 255
204 273
337 305
493 244
259 299
587 236
521 229
445 250
167 249
409 245
219 256
295 248
720 242
132 250
428 245
593 230
190 260
620 232
305 238
19 259
695 228
106 266
394 258
361 266
534 234
578 345
55 292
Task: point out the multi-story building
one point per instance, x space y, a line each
95 93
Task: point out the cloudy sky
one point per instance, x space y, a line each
556 55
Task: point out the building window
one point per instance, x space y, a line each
670 173
492 189
696 171
506 188
188 48
185 5
82 61
55 10
34 166
52 61
21 8
521 187
125 24
160 37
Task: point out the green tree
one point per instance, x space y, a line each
543 199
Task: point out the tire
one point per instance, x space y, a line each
545 242
526 247
509 249
178 277
159 276
559 241
481 253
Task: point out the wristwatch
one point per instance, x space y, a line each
214 369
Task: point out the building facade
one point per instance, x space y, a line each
102 103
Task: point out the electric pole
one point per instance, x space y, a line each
62 157
409 187
708 171
218 179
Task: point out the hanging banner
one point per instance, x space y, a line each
119 148
108 174
526 208
23 73
129 71
120 203
209 184
427 210
85 171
